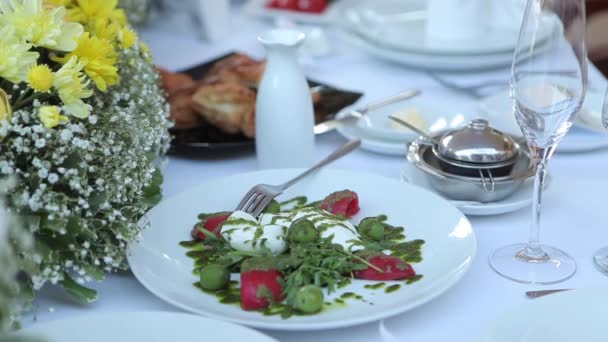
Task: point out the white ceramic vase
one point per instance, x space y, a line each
284 110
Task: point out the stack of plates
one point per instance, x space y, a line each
396 30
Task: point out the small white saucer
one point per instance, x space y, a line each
378 135
521 198
587 133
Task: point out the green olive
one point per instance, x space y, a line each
309 299
273 208
214 277
372 228
302 231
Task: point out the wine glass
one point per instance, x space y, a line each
601 257
548 86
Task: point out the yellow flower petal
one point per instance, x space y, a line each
98 58
15 56
50 116
41 25
5 107
72 88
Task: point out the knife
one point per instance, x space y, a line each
358 113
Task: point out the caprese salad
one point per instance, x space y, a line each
295 251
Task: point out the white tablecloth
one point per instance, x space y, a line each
574 210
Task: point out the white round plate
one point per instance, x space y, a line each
437 117
520 199
578 315
377 136
161 265
429 62
586 134
401 25
141 326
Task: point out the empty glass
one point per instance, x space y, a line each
548 86
601 257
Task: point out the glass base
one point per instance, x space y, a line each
548 265
601 260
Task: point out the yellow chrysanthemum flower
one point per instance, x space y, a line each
41 26
105 28
15 56
98 58
86 11
51 116
40 78
128 38
72 88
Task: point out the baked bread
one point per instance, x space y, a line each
173 82
228 106
182 111
237 68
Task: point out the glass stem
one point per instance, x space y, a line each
533 250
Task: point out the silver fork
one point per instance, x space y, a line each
260 195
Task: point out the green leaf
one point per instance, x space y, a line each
96 200
73 160
30 221
81 293
75 226
152 194
95 272
55 225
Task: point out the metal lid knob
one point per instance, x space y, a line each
477 143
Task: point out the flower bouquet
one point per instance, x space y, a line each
82 121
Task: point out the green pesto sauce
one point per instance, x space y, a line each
239 221
392 288
293 203
409 251
413 279
375 286
229 295
344 283
351 295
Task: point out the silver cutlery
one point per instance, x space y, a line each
360 112
541 293
260 195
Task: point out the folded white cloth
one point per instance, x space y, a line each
467 19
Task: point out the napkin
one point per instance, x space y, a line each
468 19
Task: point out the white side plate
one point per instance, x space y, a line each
141 326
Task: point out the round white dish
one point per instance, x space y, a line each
520 199
377 136
141 326
402 26
436 117
161 265
578 315
429 62
586 134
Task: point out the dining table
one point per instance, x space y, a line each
574 209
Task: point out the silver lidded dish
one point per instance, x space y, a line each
474 163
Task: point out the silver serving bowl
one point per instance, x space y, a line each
483 188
